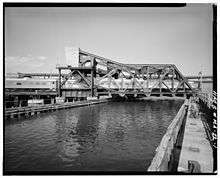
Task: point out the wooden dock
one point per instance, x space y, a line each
196 154
29 111
163 154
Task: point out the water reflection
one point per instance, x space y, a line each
111 136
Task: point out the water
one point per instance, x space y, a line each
115 136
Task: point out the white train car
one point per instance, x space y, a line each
30 83
51 84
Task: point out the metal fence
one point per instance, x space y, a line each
210 99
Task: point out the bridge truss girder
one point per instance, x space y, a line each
76 72
140 81
166 77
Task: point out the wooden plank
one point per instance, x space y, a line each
164 150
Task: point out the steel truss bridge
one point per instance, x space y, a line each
101 76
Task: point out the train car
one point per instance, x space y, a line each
51 84
30 83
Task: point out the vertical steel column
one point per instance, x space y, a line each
172 81
184 88
173 73
147 78
109 82
160 83
133 83
107 66
122 81
59 83
92 77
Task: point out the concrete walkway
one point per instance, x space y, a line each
196 154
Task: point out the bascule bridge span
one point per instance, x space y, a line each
99 76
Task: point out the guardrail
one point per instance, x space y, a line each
210 99
162 158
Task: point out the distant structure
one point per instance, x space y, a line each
72 56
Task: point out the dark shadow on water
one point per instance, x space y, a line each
115 136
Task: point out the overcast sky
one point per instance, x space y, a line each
36 37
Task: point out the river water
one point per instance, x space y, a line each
114 136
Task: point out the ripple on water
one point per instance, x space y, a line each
110 136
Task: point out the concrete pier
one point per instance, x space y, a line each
196 154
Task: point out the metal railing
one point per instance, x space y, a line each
210 99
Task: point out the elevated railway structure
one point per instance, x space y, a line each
195 78
103 76
97 76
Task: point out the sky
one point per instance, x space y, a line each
35 38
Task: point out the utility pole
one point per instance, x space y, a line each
200 81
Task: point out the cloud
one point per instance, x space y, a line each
25 59
28 58
10 58
27 63
41 58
